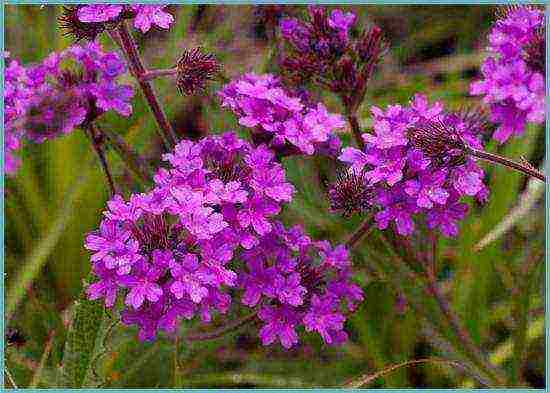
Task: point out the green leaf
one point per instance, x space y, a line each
81 341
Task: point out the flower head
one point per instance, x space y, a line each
321 50
417 163
513 73
168 251
298 282
70 22
144 16
66 90
286 122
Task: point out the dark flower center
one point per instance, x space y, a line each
350 194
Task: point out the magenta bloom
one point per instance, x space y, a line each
288 123
170 252
145 16
514 72
298 282
411 172
61 93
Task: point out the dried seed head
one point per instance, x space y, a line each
68 21
534 52
440 142
350 194
194 69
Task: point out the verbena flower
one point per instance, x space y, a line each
287 122
169 251
322 50
513 73
64 91
416 164
144 16
298 282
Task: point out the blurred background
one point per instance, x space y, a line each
58 195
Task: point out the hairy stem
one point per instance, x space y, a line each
494 158
356 130
95 139
137 68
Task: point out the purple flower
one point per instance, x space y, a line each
298 283
340 20
170 251
145 16
47 100
274 114
513 73
321 50
280 323
324 318
99 13
151 15
414 163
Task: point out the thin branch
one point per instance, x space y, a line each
137 68
366 379
356 236
47 349
129 156
494 158
95 139
232 326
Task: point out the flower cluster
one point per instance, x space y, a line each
144 16
416 162
288 123
298 282
168 250
513 74
62 92
322 50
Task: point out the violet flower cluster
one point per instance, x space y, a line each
298 282
168 250
144 16
415 165
287 123
321 49
513 73
174 252
64 91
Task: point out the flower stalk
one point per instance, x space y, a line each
494 158
137 68
97 144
